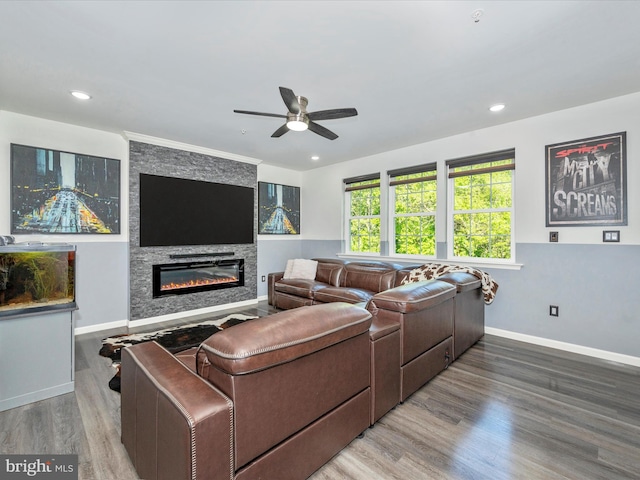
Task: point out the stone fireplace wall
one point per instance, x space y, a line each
159 160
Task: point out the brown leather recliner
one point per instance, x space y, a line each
425 312
274 397
468 325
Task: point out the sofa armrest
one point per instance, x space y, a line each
271 285
414 296
462 280
175 425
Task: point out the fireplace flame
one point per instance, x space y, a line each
196 283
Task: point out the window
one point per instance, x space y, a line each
481 193
363 201
413 200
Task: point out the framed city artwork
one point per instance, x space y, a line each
278 209
55 192
586 181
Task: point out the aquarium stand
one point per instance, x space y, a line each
37 300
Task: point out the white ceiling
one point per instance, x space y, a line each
416 71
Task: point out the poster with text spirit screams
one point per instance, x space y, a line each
587 181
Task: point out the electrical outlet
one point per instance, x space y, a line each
554 310
264 278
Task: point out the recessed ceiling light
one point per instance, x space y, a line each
315 157
497 107
80 95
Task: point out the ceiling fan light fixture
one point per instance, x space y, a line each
297 123
299 120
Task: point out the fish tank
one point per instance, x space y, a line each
37 277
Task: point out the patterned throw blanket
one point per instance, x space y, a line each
434 270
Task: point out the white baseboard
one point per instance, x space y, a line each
568 347
20 400
100 326
163 318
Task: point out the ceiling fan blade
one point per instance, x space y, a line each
320 130
290 100
281 131
333 114
261 114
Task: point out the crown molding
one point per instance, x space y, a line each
163 142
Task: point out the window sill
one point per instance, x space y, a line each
421 260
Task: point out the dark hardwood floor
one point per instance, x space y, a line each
503 410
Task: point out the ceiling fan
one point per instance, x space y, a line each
299 119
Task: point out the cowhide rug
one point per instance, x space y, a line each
175 339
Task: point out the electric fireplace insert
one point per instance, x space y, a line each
192 277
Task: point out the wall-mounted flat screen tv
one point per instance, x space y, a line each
178 211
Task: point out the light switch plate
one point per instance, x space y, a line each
611 236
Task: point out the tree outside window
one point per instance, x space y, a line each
482 216
414 210
363 199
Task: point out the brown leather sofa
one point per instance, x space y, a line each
437 319
360 281
336 281
277 397
274 397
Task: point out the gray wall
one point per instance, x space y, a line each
157 160
595 287
273 255
102 274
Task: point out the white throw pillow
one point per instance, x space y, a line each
302 268
288 268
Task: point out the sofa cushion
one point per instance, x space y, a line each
286 301
298 286
301 268
283 337
370 276
342 294
329 272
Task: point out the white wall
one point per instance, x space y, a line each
323 186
